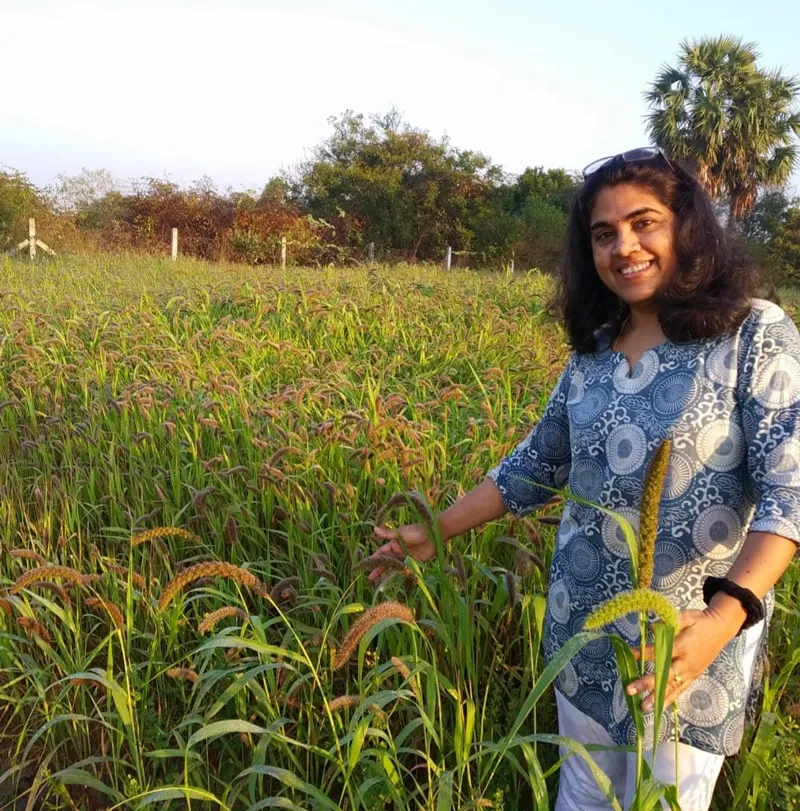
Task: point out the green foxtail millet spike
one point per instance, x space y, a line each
648 521
629 602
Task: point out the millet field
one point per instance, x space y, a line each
192 461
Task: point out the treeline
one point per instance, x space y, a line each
380 181
377 181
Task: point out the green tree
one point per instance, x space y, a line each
772 228
76 193
538 204
19 200
553 186
735 123
409 190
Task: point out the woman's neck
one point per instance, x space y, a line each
643 320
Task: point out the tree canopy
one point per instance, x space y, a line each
736 124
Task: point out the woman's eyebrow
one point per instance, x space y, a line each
604 224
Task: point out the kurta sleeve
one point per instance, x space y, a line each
769 393
542 458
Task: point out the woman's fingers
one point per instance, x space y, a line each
678 681
392 547
641 685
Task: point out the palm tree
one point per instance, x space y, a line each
735 124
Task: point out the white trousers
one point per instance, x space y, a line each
697 770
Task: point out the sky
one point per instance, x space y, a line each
240 91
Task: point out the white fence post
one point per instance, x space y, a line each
31 243
283 253
512 261
448 262
371 252
174 244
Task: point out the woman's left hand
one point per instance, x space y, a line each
702 636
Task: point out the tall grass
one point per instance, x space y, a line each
270 418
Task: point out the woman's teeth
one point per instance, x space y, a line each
627 271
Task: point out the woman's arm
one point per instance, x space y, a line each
482 504
763 559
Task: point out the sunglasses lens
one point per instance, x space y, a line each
643 153
595 165
640 154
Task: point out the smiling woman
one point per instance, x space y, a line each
670 342
632 225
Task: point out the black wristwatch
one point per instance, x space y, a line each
750 603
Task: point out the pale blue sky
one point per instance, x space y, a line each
239 90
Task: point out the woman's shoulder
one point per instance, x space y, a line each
767 319
764 312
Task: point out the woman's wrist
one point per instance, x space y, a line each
729 611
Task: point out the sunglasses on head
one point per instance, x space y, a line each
643 153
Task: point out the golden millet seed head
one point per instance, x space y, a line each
371 617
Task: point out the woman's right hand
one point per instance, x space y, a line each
414 537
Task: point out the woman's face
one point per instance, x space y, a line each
633 242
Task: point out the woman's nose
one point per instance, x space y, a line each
626 243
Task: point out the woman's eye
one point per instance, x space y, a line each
644 223
602 236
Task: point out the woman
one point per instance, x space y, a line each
668 340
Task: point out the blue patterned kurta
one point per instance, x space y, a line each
731 406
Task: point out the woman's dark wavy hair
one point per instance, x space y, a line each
715 279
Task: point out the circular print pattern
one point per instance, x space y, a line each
591 406
721 363
568 680
628 626
561 476
649 726
777 385
552 441
598 650
566 529
643 374
626 448
717 531
675 394
619 708
705 703
769 312
594 704
679 476
670 560
720 445
586 479
783 464
613 537
732 734
583 560
577 388
558 600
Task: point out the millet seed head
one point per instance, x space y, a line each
636 601
392 609
72 576
212 618
106 605
183 673
162 532
651 504
211 569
